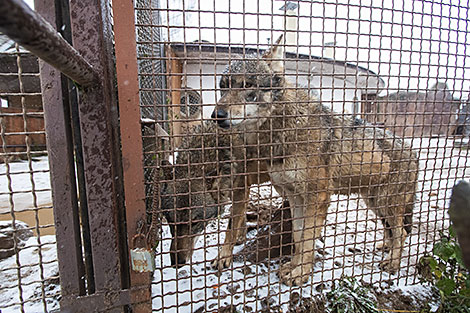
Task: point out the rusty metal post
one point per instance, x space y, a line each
31 31
92 37
131 135
64 191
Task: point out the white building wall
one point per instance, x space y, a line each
334 93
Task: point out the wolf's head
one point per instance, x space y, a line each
249 87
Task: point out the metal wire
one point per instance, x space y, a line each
372 65
25 199
371 128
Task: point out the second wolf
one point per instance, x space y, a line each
311 154
210 171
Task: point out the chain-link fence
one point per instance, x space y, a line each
327 154
294 153
28 270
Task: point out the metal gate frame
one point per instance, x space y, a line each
95 275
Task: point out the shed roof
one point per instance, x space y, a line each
208 53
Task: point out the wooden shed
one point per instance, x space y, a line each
14 128
432 112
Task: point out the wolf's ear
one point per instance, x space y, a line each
274 56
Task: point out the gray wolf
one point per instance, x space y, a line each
209 171
311 154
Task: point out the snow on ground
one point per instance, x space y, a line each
21 184
29 276
347 248
26 276
347 245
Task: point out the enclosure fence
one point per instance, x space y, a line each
269 156
392 84
29 267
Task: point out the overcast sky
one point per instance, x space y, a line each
30 3
411 44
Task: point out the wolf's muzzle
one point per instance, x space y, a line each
221 117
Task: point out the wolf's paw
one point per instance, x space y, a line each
294 275
383 246
390 266
241 238
285 270
223 260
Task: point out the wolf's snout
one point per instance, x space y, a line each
221 116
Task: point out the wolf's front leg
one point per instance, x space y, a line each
308 222
298 270
236 228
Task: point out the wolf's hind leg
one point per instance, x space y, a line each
371 202
386 243
394 226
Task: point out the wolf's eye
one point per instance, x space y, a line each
251 97
248 85
276 81
223 83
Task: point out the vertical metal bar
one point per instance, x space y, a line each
92 37
131 135
88 253
63 15
60 148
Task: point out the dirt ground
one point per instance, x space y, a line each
274 242
395 301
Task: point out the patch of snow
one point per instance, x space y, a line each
347 245
21 183
26 276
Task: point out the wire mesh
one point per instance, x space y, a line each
152 84
344 138
28 261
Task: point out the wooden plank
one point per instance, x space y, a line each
175 70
